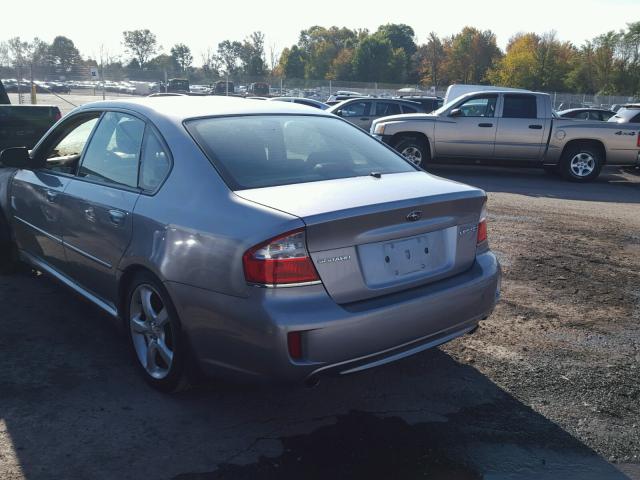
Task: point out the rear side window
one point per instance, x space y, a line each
114 150
408 109
268 150
384 109
635 119
520 106
155 163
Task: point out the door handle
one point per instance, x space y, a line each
51 195
117 216
535 127
90 214
485 125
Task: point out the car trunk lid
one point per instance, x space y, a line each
372 236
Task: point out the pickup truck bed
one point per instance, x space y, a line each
514 128
24 125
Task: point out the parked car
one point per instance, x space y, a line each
342 95
598 114
177 85
510 127
302 101
223 88
429 104
363 111
289 277
259 89
627 114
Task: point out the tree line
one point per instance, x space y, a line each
609 63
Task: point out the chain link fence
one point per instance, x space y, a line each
77 86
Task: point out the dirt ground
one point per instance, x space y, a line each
547 388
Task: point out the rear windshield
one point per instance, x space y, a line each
268 150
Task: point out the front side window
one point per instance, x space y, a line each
268 150
479 107
113 154
356 109
520 106
65 154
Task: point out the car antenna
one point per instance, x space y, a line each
376 174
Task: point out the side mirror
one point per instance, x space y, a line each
456 112
339 113
17 157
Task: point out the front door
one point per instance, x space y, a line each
359 112
470 132
99 202
36 193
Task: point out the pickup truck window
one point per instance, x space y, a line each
484 106
520 106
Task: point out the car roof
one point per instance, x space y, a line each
584 109
181 108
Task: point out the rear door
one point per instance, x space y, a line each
36 193
472 134
520 134
98 203
384 109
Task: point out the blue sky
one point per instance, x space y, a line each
201 24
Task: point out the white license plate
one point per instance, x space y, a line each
407 256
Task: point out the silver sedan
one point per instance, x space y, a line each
247 239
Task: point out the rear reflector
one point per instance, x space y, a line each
294 342
482 231
279 261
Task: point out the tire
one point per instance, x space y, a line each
415 150
8 252
581 163
151 319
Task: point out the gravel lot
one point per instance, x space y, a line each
548 387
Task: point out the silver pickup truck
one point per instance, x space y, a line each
513 128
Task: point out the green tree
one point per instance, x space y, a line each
372 59
252 55
140 44
229 54
62 53
470 54
291 63
181 55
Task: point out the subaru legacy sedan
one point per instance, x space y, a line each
249 240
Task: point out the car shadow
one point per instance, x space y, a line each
72 405
615 184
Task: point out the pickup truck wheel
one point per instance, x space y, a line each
581 163
414 150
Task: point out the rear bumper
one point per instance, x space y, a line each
246 338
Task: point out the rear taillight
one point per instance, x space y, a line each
57 116
638 141
482 226
280 261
